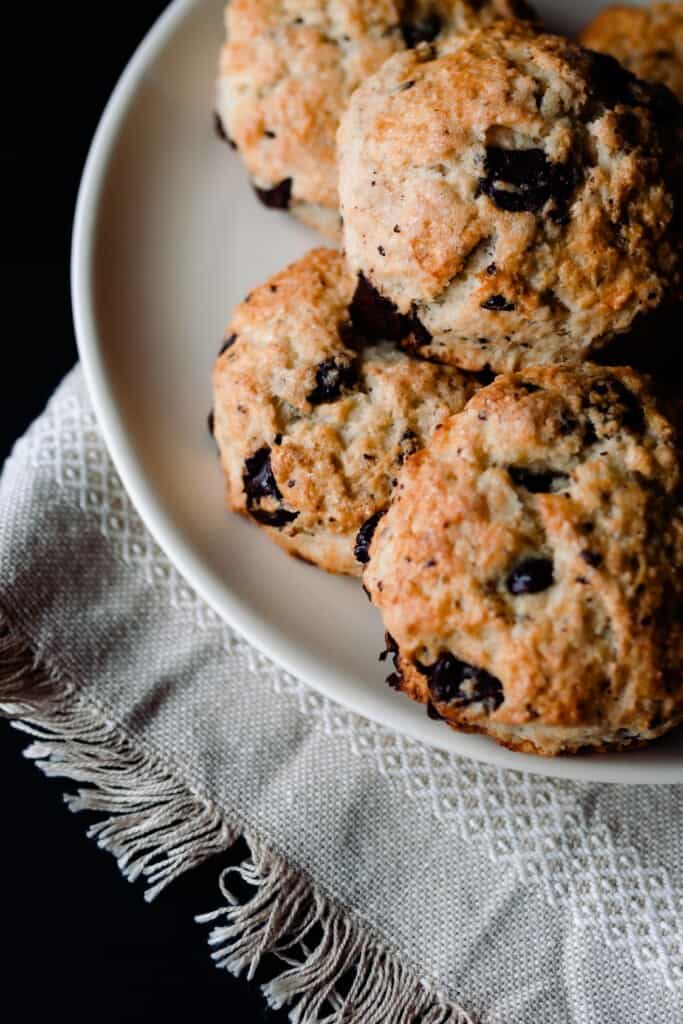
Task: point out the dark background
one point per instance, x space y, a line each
78 942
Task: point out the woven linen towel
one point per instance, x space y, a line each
433 888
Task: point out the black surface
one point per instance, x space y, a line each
77 943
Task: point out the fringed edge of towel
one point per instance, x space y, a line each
333 970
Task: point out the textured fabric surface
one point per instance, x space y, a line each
520 899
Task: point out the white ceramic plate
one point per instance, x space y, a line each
168 237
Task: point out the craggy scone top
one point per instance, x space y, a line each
289 67
313 423
647 40
515 196
529 567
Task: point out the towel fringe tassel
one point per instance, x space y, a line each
333 971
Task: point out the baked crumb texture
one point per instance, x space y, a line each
528 570
313 421
288 68
514 197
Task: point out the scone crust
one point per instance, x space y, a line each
515 195
300 403
648 40
538 543
288 69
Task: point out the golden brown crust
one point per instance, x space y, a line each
515 195
285 77
288 69
529 567
648 40
548 743
311 425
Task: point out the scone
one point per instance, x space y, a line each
312 425
647 40
288 69
528 570
514 199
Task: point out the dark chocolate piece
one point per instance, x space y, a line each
531 576
455 682
331 378
259 483
523 180
361 550
278 197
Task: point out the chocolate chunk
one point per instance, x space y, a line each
258 478
259 483
424 30
544 481
228 343
374 316
455 682
331 378
278 517
523 180
433 713
278 197
498 304
348 336
395 680
614 402
364 537
391 648
531 576
591 558
219 128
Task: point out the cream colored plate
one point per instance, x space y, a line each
168 237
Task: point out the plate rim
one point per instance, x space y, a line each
599 769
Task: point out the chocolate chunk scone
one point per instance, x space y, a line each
528 570
313 424
648 40
514 198
288 69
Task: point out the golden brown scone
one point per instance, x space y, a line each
529 566
311 424
647 40
513 198
289 67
